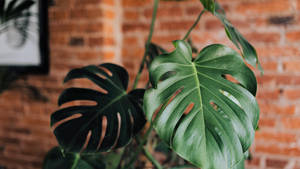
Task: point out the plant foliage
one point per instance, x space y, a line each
249 52
110 123
58 159
205 118
196 117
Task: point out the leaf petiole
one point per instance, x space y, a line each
194 25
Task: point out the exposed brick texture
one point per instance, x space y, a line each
94 31
82 32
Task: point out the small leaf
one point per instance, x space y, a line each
155 50
248 51
56 159
191 112
209 5
110 123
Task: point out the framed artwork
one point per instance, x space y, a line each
24 43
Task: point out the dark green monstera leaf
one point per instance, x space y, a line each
205 118
110 123
57 159
238 39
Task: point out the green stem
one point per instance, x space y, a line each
76 160
154 13
152 159
140 148
194 25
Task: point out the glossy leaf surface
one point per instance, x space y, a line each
56 159
110 123
205 118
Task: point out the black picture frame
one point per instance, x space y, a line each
43 44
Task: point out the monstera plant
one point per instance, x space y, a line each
196 111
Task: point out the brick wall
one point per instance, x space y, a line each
82 32
92 31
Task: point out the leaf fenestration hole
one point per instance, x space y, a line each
100 89
65 120
231 97
214 105
156 112
119 129
167 75
101 76
230 78
166 104
189 108
88 137
220 110
103 132
106 70
79 103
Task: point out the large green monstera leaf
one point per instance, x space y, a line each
205 118
57 159
110 123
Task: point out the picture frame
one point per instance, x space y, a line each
33 56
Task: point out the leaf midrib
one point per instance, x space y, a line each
198 85
97 114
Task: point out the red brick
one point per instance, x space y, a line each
264 7
297 165
135 3
173 11
213 24
176 25
274 149
109 2
108 55
292 94
276 163
135 27
271 108
131 15
277 51
86 13
194 10
268 94
109 14
291 122
59 15
263 37
130 40
291 66
293 36
279 137
254 161
165 38
267 122
100 41
270 66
